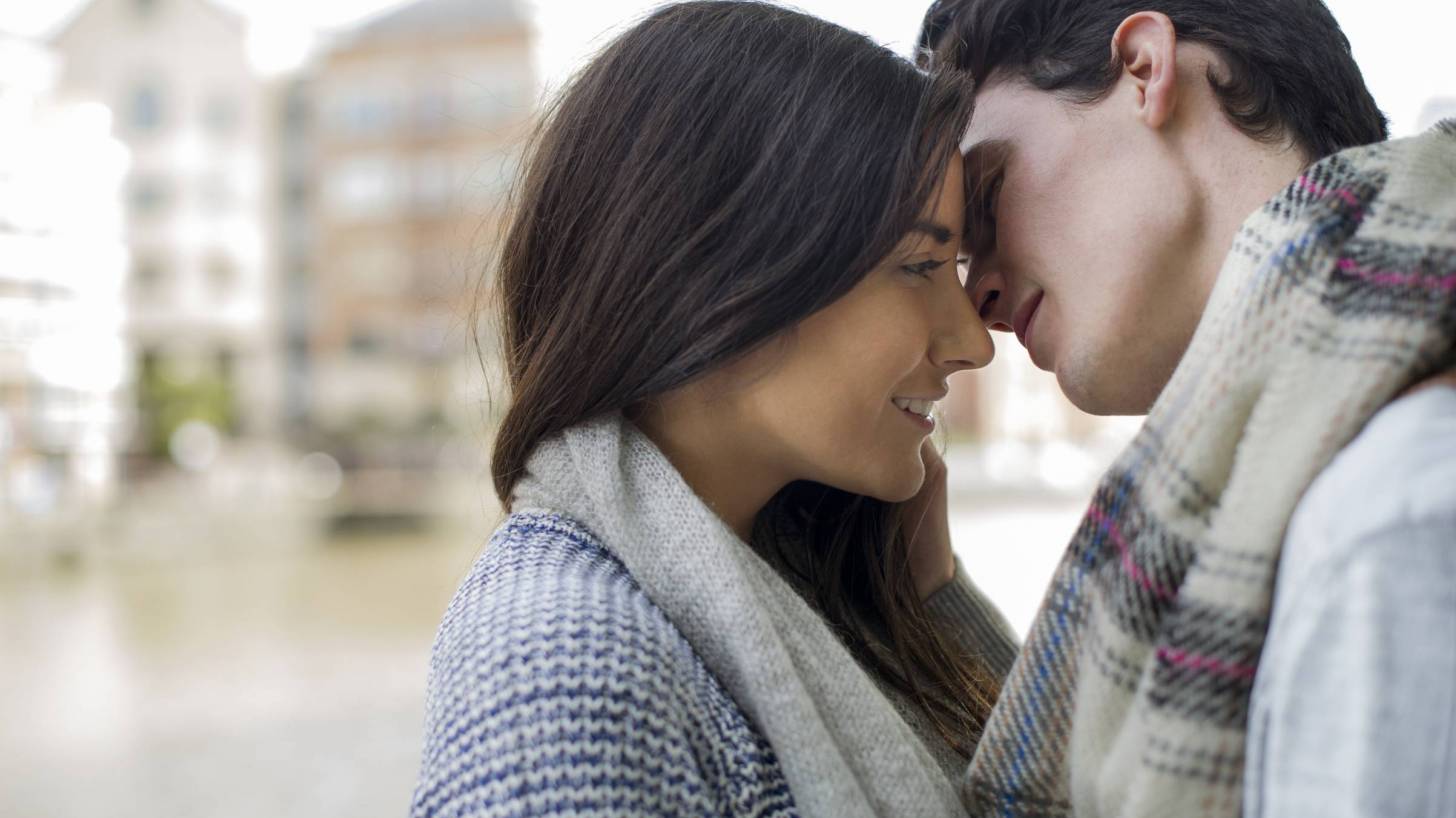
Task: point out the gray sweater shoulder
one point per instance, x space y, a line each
556 686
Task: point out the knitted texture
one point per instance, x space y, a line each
1131 695
558 688
844 749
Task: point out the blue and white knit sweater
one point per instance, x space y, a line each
558 688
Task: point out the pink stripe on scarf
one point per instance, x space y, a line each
1346 196
1128 565
1209 664
1445 283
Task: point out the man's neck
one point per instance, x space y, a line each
1239 178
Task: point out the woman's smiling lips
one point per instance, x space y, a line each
918 411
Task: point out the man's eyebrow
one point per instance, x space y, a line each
939 232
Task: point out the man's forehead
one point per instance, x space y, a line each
983 121
996 116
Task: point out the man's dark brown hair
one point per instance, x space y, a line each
1287 72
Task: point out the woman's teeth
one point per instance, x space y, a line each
915 407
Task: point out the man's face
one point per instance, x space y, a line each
1079 226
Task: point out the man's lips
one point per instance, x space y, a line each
1021 323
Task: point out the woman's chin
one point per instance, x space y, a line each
896 483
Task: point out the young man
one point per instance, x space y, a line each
1172 209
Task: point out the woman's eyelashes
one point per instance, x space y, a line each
925 268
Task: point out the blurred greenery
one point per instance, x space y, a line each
167 400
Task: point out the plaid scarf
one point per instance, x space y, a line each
1131 695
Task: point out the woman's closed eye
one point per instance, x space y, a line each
924 269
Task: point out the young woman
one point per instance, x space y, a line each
730 299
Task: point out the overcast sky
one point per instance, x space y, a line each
1404 47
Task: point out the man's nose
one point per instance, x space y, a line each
990 298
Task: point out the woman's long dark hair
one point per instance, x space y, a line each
714 176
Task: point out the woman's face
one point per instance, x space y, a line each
846 399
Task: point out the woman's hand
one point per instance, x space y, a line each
926 518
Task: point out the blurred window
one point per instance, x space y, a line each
365 343
434 182
148 195
145 108
218 196
224 362
363 187
363 112
379 268
297 299
432 109
295 191
222 114
222 273
296 109
435 272
147 275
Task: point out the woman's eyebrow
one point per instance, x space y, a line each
939 232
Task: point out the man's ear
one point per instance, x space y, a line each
1145 45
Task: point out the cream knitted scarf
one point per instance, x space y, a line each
1130 697
844 750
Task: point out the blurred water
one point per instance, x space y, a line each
281 683
289 682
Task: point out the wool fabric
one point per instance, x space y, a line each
844 749
557 688
618 651
1131 695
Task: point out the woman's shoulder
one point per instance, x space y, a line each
553 669
546 581
545 561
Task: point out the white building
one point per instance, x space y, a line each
63 361
191 109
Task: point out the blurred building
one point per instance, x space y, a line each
416 121
62 268
201 304
294 184
1435 110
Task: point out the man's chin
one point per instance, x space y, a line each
1105 396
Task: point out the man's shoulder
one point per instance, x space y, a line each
1400 471
1360 627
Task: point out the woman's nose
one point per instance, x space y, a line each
961 340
